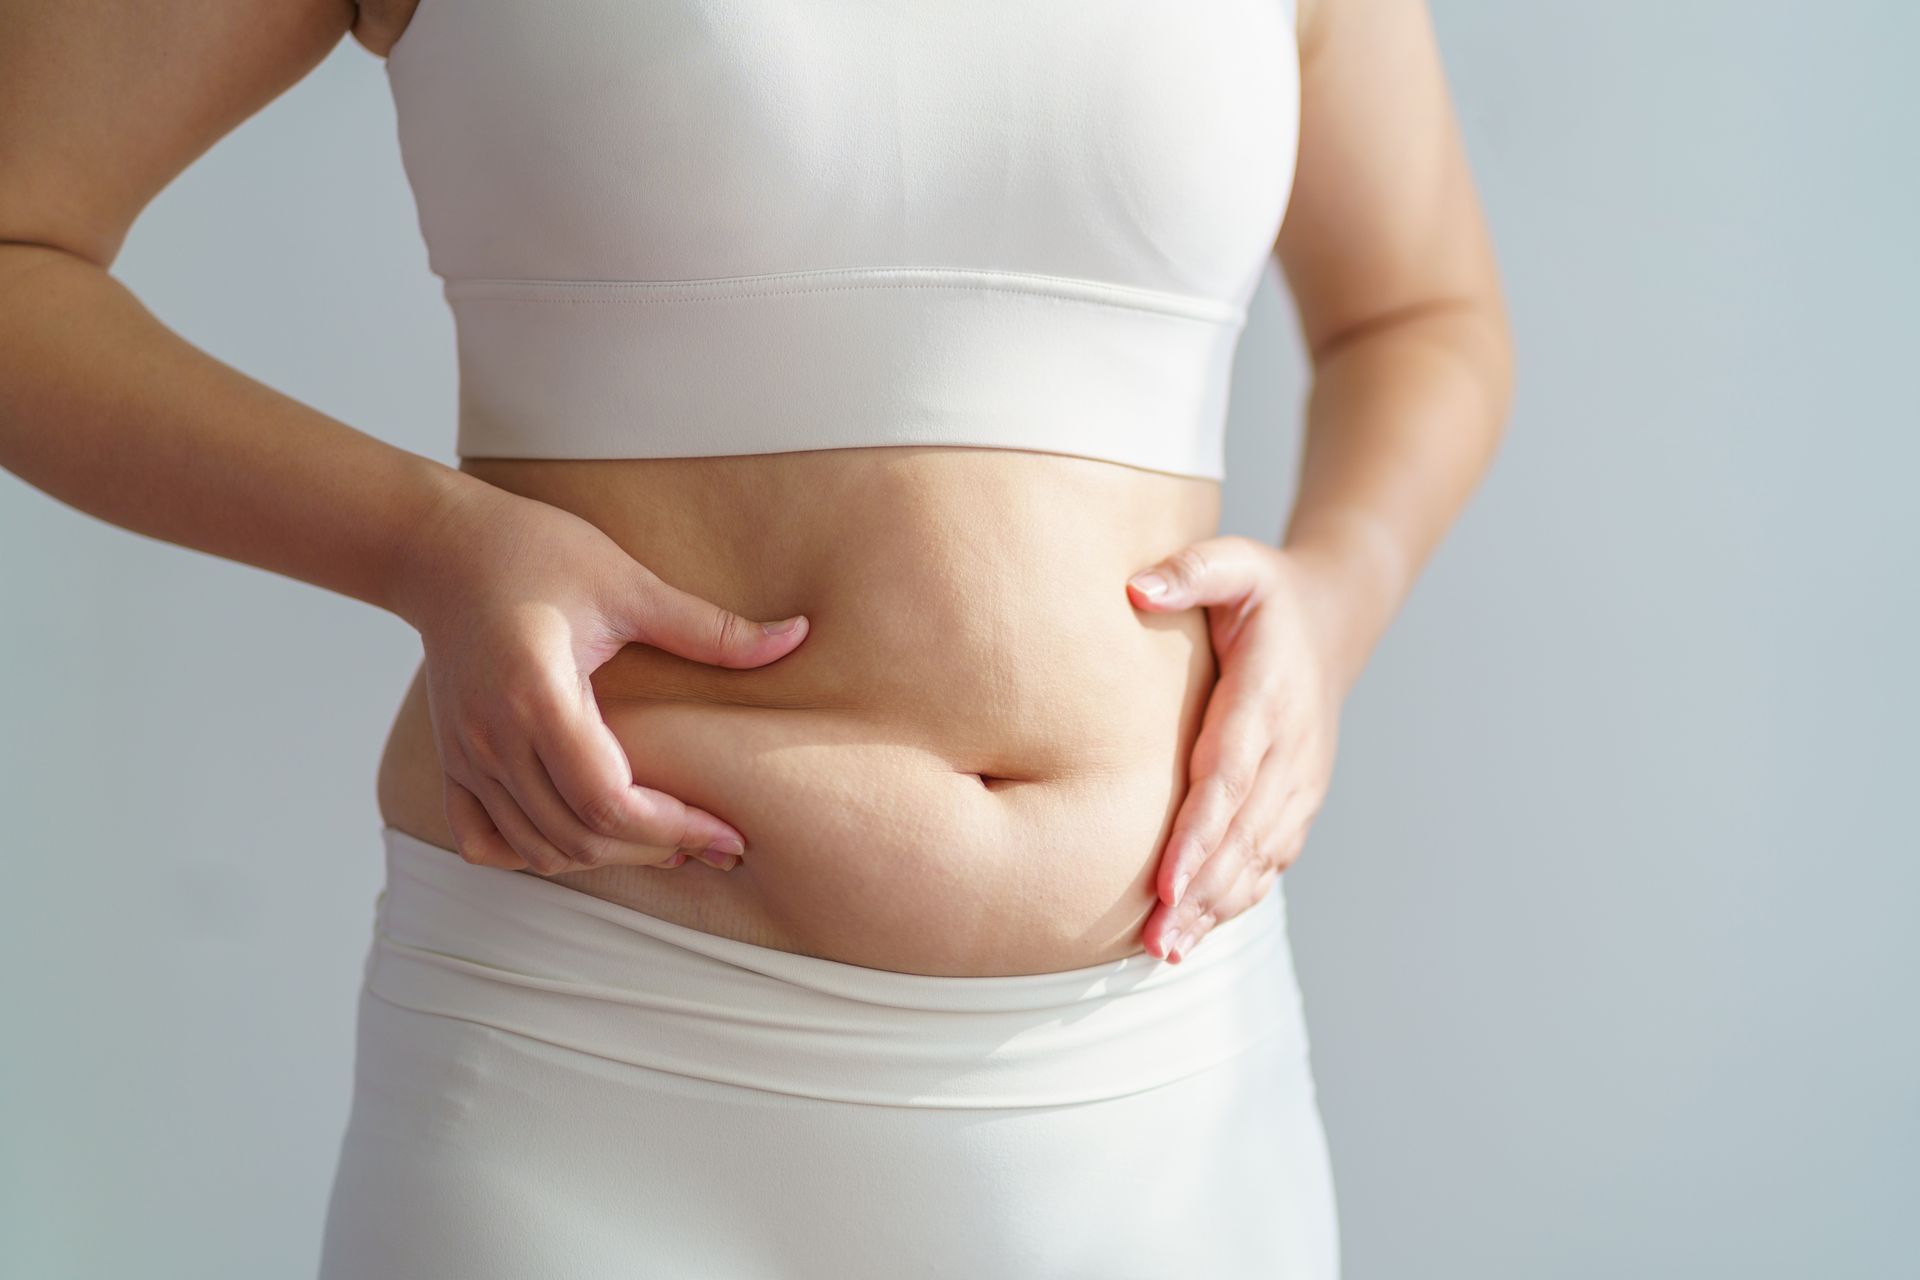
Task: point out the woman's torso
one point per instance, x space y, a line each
917 319
968 617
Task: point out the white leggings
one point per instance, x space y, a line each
550 1085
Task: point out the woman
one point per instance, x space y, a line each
836 825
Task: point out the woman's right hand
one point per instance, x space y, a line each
518 602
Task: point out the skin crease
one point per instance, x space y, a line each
595 693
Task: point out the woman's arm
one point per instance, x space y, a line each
101 405
1393 275
517 602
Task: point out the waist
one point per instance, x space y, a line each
530 957
969 602
969 765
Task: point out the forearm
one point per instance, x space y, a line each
1401 424
106 409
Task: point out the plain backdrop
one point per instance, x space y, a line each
1606 931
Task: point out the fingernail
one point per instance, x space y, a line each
718 861
1180 885
1175 945
727 844
1150 585
783 626
675 860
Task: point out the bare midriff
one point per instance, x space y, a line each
970 764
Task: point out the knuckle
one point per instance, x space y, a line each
603 810
728 631
589 851
1233 784
1187 564
547 861
1193 845
481 740
1195 922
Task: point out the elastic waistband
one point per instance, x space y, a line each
531 956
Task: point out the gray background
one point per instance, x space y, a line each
1606 929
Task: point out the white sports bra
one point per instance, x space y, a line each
672 228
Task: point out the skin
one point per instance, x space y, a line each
575 618
1393 275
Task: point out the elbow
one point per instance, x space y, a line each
1481 340
1496 358
20 258
23 264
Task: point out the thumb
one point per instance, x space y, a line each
1211 571
662 615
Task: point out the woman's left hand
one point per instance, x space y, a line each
1261 764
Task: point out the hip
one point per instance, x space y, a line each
616 1086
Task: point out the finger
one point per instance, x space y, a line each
517 829
532 785
1189 925
1212 571
590 771
478 842
1247 848
549 859
574 782
1236 734
590 849
654 612
474 836
1253 890
1290 833
1253 884
1210 908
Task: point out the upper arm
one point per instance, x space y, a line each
104 102
1384 219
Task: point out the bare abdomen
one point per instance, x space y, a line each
970 764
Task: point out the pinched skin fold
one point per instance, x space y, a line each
971 763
